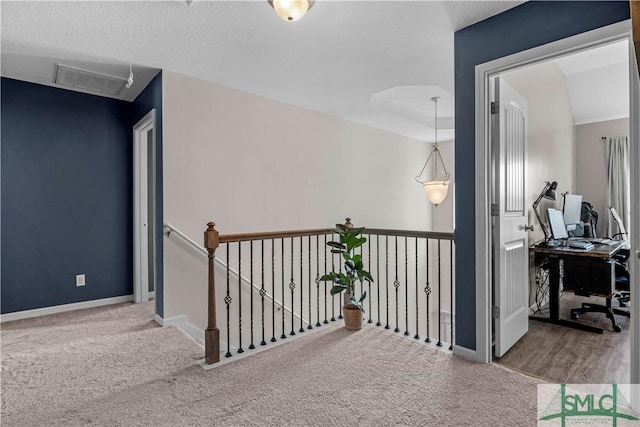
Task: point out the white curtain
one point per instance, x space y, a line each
618 180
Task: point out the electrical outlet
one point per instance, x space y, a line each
80 279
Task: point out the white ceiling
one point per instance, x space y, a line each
373 62
598 82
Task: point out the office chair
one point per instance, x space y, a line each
621 259
622 278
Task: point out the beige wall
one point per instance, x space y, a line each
591 168
253 164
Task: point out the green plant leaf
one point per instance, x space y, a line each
336 289
336 245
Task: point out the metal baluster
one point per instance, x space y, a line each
417 336
406 287
273 291
317 280
340 294
369 269
240 349
301 288
292 286
309 273
386 272
439 343
427 289
326 321
251 346
333 297
283 336
378 275
396 284
227 301
451 290
263 291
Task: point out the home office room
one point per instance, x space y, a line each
575 121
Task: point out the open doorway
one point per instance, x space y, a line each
573 102
484 191
144 208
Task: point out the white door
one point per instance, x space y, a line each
634 122
143 223
511 257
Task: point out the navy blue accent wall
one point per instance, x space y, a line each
526 26
149 99
66 196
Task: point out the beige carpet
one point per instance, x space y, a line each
113 367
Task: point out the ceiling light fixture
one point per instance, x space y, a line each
291 10
437 188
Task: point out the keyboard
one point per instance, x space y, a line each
581 244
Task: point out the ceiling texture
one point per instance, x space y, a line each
373 62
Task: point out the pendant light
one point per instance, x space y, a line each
291 10
438 186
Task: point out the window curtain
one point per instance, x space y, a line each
618 180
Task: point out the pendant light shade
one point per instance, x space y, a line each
436 190
437 187
291 10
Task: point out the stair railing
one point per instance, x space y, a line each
412 270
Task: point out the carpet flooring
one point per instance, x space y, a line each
113 367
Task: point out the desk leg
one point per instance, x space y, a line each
554 288
554 301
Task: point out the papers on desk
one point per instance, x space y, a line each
609 242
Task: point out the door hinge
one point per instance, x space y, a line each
495 107
495 209
495 310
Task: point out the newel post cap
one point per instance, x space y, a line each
211 236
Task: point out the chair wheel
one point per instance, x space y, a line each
617 328
574 316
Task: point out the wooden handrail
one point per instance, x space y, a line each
244 237
268 235
635 24
409 233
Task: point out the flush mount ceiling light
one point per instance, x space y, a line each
436 188
291 10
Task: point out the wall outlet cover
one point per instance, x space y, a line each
80 279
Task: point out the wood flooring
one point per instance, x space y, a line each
564 355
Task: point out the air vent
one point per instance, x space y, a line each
88 81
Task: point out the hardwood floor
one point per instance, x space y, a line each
564 355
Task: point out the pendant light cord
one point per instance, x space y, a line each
130 79
435 150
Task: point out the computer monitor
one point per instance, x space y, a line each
556 223
572 210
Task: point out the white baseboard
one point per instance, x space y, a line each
192 331
170 321
458 350
181 322
19 315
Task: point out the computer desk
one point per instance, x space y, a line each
587 272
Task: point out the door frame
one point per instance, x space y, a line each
141 157
484 179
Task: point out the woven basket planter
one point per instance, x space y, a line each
352 317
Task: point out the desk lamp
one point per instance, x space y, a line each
549 193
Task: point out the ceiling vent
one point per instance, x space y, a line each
88 81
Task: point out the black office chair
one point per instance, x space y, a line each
621 271
621 259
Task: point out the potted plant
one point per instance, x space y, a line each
350 239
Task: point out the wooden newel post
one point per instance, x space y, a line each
212 333
347 223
